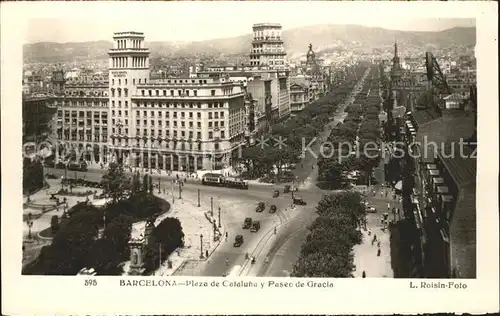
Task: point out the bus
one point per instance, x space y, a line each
235 183
212 179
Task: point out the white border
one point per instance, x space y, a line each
65 295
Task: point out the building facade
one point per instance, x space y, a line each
82 120
267 46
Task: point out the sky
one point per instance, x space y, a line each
193 21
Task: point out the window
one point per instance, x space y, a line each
209 124
150 92
195 93
137 122
133 81
221 114
210 135
198 135
126 104
190 115
221 123
112 82
198 115
113 103
175 114
212 93
164 92
183 124
209 115
172 93
187 93
125 81
190 134
142 91
182 114
190 124
119 82
222 134
198 124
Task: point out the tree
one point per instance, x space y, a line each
54 224
136 183
169 234
114 181
145 183
118 232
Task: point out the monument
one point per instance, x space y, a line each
136 245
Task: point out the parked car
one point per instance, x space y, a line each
299 201
255 227
286 189
238 240
370 209
247 223
272 209
276 193
260 207
50 176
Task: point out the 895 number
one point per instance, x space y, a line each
91 282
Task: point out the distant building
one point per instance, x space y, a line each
299 95
38 113
267 46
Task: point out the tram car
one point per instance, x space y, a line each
216 179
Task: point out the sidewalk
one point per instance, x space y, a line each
365 254
194 223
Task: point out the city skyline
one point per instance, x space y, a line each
169 21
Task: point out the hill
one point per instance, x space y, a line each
296 41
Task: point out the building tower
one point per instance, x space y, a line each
396 71
128 67
267 46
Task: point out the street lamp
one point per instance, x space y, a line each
180 190
30 224
159 185
211 206
201 246
198 197
219 218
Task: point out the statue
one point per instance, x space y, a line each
136 258
310 46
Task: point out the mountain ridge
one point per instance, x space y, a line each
296 42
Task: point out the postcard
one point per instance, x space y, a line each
249 158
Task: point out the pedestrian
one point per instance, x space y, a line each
206 253
364 274
378 244
378 252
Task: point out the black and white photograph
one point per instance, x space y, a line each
259 142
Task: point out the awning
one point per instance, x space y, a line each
437 180
434 172
442 189
399 185
447 198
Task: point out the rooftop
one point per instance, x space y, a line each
422 117
461 168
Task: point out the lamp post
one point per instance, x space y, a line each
201 246
198 197
180 190
30 224
219 218
173 198
212 206
159 185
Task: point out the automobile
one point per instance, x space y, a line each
50 176
238 240
286 189
255 227
370 209
247 223
272 209
260 207
299 201
276 193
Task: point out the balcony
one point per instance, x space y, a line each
187 97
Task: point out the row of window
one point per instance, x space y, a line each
119 92
159 133
83 103
81 114
215 124
211 115
178 105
